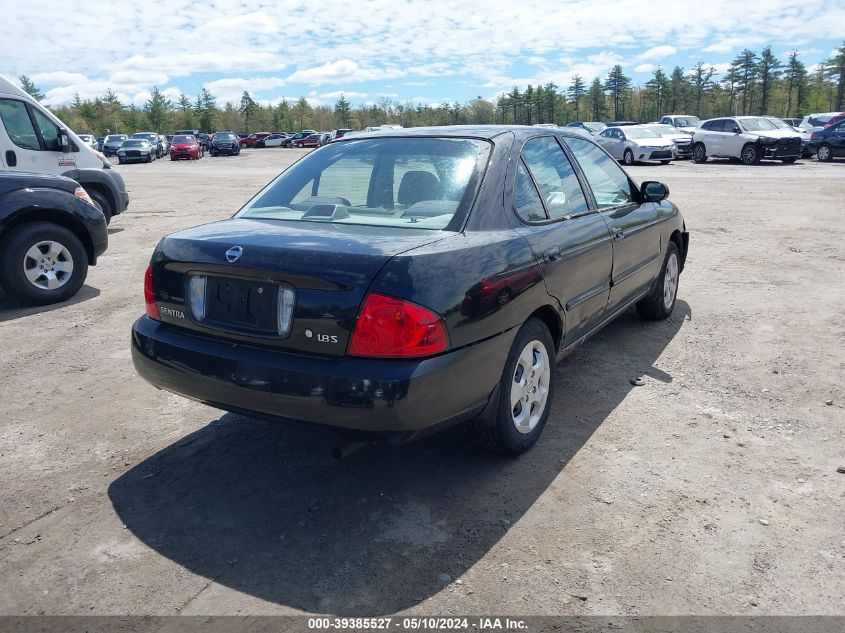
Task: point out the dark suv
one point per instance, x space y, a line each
50 231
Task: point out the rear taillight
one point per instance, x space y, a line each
391 328
149 295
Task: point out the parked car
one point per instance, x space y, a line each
312 140
806 148
164 145
829 142
252 139
273 140
288 142
112 143
620 123
683 122
747 138
818 120
339 133
636 144
54 149
88 139
682 140
332 299
152 138
225 143
593 127
99 145
50 232
136 150
185 146
793 122
325 137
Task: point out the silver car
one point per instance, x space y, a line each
681 140
636 144
136 149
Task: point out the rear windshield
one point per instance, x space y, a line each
417 183
223 136
115 138
687 121
134 143
183 139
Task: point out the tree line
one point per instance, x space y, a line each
754 83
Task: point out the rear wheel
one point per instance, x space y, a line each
750 155
699 153
243 145
659 303
824 153
525 394
42 263
628 157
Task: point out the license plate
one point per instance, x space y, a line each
242 304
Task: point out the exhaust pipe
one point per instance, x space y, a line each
340 452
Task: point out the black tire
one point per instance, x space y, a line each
653 305
101 202
628 157
699 153
213 154
500 434
789 161
13 249
665 162
119 161
243 145
824 153
750 154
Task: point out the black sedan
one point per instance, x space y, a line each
829 142
225 143
402 281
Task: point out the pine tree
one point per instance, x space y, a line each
577 90
701 77
745 65
834 70
29 88
768 69
341 111
596 99
247 109
157 107
552 95
796 73
515 99
657 85
678 89
617 84
184 104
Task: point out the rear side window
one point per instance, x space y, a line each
526 199
554 175
611 186
18 124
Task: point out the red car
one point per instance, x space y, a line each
184 146
312 140
249 141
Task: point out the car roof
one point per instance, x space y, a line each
487 132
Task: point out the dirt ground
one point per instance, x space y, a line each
711 489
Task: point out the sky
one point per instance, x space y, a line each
427 52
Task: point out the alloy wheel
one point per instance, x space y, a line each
670 282
530 386
823 153
48 265
749 155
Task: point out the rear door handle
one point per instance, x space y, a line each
552 254
11 158
618 233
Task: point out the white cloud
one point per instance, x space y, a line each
344 71
732 44
644 68
658 52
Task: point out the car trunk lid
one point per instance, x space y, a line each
247 266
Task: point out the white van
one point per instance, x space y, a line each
32 139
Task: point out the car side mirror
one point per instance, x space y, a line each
653 191
64 141
736 130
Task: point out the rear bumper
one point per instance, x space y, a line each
382 396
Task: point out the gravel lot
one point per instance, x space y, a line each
712 488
